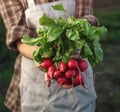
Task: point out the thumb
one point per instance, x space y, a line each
47 80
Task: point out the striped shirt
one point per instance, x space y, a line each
12 12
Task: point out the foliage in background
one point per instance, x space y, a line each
6 66
110 19
109 73
6 56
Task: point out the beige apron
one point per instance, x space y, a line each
35 95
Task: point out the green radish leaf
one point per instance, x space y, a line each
98 51
46 21
81 21
37 57
69 51
54 32
73 34
85 28
99 30
41 31
87 49
46 50
71 47
48 53
70 22
66 57
59 52
79 44
91 60
60 22
30 41
59 7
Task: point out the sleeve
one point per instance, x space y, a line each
12 13
84 9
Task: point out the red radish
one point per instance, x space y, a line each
62 66
57 74
83 65
46 63
79 79
70 73
62 80
51 71
72 64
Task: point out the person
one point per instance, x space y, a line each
27 91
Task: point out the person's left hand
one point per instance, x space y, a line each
67 86
48 83
47 80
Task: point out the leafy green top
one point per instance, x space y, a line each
60 38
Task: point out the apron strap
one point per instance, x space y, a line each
30 3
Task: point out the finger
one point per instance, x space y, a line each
75 56
67 86
47 80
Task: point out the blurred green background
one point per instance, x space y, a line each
107 73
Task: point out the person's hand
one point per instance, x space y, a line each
48 83
47 80
76 54
26 50
67 86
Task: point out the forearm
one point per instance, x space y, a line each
26 50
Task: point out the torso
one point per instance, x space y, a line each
25 5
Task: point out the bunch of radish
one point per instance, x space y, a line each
66 73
